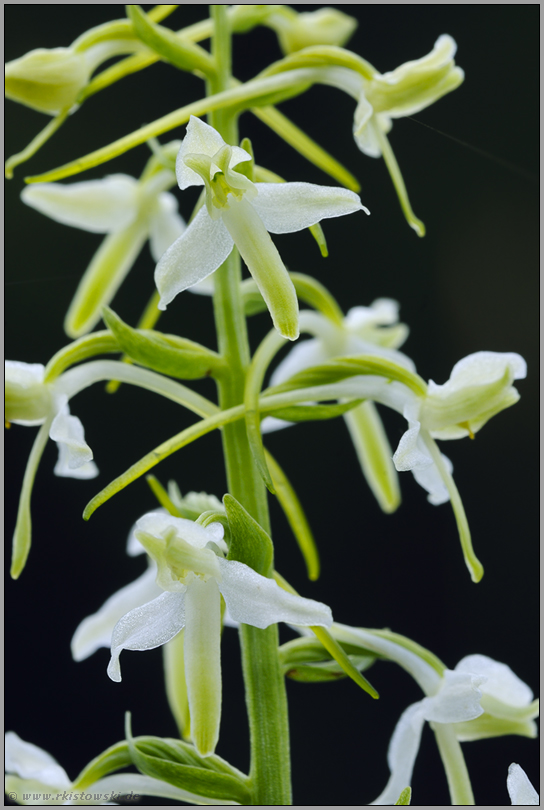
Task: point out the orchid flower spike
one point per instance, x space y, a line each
479 699
240 212
372 330
37 779
130 211
519 787
193 575
297 30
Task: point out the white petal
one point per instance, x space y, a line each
200 250
501 682
402 753
259 601
147 627
382 312
410 454
430 479
99 206
203 662
363 128
479 369
166 225
204 287
74 452
289 207
157 523
95 631
458 699
519 787
202 139
30 762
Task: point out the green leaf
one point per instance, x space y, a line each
181 53
249 542
294 513
311 413
306 659
322 671
405 797
168 354
179 764
113 759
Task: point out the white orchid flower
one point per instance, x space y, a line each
240 212
480 698
130 211
520 788
36 778
193 576
31 401
479 387
372 330
409 89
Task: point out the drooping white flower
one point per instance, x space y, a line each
37 779
240 212
372 330
31 401
520 788
480 698
130 211
193 575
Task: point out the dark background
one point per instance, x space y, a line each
470 285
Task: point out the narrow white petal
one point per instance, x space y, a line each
31 762
99 206
74 453
200 250
410 454
166 225
402 753
147 627
203 662
289 207
458 699
95 631
430 479
519 787
501 682
259 601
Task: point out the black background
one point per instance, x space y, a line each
470 285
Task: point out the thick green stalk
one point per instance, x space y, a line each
264 684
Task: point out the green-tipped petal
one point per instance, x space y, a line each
203 663
265 265
374 454
103 277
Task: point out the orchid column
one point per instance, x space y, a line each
265 688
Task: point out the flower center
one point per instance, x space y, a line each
219 179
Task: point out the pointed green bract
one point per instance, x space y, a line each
405 797
167 354
112 759
249 543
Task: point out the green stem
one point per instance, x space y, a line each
264 684
454 764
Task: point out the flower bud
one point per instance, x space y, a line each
327 26
47 80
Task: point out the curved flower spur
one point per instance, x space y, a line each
240 212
